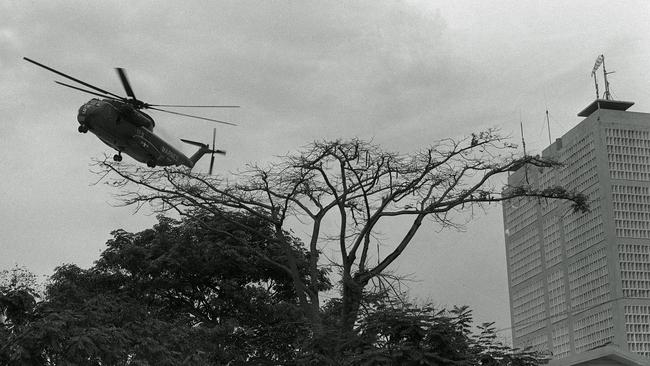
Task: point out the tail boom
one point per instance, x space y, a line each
203 149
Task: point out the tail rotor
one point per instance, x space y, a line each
214 151
214 138
204 149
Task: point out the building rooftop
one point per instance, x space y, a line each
617 105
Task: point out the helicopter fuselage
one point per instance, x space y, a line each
130 131
120 124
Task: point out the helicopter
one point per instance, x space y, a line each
120 123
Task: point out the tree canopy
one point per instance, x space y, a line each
183 293
232 283
174 294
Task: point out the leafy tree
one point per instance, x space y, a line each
343 194
196 292
392 331
18 296
174 294
410 335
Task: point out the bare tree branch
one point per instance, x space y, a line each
345 193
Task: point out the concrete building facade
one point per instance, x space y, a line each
581 281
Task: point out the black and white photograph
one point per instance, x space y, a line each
289 182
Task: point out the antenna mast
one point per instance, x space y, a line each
548 127
607 95
523 142
599 61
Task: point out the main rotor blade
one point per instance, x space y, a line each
86 91
211 164
125 82
73 79
192 106
214 137
191 116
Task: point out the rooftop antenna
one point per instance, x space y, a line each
548 127
597 64
607 95
601 61
523 142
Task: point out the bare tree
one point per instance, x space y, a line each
343 193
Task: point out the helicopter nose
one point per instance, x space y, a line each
84 112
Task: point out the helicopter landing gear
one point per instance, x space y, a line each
151 164
117 157
82 128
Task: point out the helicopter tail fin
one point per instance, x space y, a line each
203 149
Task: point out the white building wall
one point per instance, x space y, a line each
579 281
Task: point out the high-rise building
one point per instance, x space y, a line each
580 282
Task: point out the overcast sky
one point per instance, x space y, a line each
403 73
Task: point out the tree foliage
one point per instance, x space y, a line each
404 334
174 294
183 293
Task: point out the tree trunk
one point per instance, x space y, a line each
352 295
